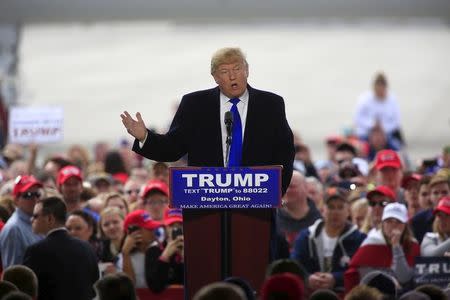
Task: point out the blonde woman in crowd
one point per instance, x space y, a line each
392 249
112 235
437 243
358 211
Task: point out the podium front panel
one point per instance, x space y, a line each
202 248
250 244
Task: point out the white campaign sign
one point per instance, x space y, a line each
33 124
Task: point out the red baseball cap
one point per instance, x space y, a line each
333 139
443 205
68 172
173 216
286 283
24 183
157 185
142 219
120 177
387 158
410 178
383 190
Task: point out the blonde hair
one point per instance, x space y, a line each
361 203
227 56
437 229
364 292
106 212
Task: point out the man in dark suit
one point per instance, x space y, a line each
199 131
65 266
263 137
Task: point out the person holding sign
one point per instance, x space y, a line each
437 243
391 249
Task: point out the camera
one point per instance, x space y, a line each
132 228
177 231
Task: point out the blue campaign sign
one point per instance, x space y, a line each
203 188
432 270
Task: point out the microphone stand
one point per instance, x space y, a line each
225 216
229 125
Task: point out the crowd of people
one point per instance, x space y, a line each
82 225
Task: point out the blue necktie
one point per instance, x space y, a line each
236 134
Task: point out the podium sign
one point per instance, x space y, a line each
212 188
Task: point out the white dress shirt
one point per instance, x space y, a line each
370 109
225 105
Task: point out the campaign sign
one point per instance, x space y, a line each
203 188
36 124
433 270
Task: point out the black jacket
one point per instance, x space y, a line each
196 131
159 274
66 267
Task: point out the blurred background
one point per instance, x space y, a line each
97 58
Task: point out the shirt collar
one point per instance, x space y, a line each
224 99
56 229
23 216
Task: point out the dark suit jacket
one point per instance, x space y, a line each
66 267
196 130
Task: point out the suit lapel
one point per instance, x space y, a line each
216 128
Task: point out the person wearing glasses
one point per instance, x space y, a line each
155 199
377 199
131 190
17 233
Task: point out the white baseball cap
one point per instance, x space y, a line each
397 211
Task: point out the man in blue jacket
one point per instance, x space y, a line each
325 248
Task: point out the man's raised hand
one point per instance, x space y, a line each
134 127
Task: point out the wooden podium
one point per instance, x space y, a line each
225 242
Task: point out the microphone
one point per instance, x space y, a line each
228 122
229 125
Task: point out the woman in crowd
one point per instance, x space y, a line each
358 212
437 243
81 224
111 233
391 249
